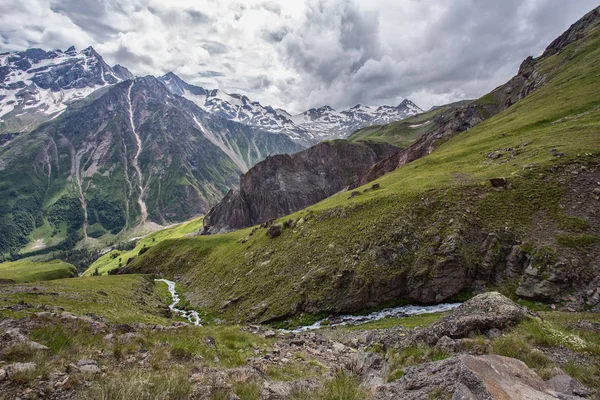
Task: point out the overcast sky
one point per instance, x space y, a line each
297 54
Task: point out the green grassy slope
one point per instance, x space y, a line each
405 132
422 235
121 299
31 271
112 259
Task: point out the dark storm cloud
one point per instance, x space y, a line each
126 56
260 82
210 74
198 17
89 15
214 47
275 35
270 6
466 48
335 40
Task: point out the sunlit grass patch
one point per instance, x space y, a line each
33 271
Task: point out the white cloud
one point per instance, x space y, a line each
300 54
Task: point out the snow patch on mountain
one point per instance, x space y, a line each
307 128
46 82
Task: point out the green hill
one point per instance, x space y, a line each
120 299
114 258
33 271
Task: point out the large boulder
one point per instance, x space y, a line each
468 377
480 314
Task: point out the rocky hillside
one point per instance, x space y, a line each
129 155
118 340
405 132
283 184
307 128
511 202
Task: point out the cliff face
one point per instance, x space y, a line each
286 183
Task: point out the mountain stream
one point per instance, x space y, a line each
191 316
337 320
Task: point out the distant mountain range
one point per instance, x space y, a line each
307 128
36 85
88 150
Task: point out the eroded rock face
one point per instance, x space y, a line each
468 377
286 183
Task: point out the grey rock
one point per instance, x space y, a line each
13 335
446 344
494 333
82 363
371 367
276 390
90 369
547 286
37 346
270 334
498 182
481 313
567 385
467 377
338 347
274 231
284 390
129 336
17 368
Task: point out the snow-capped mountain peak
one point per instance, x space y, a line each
41 84
307 128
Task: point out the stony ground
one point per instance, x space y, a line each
54 354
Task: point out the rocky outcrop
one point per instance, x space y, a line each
467 377
480 314
574 33
286 183
487 313
466 117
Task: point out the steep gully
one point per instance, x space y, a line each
136 164
338 320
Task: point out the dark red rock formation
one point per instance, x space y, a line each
283 184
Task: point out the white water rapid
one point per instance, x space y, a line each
191 316
396 312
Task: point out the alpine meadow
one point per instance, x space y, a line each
166 234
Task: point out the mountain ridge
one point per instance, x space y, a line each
307 128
